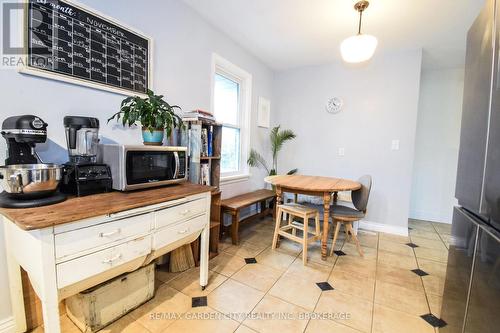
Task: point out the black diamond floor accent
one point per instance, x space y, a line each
340 253
250 260
419 272
324 286
198 301
433 320
412 245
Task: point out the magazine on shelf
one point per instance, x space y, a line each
204 142
198 115
205 174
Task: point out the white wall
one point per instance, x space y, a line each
436 146
183 47
380 104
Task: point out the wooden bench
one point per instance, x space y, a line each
234 205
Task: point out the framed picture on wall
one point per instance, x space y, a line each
264 112
69 42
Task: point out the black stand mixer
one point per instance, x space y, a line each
26 180
82 175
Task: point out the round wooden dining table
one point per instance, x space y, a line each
324 187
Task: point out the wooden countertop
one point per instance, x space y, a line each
75 209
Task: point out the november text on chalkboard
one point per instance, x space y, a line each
75 44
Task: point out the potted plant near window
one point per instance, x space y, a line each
278 138
153 113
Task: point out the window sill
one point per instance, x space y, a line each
234 179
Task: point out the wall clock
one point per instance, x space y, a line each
334 105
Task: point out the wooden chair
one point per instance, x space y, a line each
290 229
347 215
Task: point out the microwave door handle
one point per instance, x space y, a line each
176 157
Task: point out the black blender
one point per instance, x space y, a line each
82 175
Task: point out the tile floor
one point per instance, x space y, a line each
381 292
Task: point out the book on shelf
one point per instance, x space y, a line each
204 142
198 115
205 174
210 142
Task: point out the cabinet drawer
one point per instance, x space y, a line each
79 240
178 231
81 268
180 212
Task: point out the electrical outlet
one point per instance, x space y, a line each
341 151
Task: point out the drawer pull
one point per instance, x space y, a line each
185 212
109 234
110 260
183 231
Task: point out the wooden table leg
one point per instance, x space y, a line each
326 217
279 193
277 216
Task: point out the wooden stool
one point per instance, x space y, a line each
300 211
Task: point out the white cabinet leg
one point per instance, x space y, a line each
49 295
204 256
50 310
16 292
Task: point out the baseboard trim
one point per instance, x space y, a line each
379 227
432 217
7 325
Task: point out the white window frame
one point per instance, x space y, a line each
226 68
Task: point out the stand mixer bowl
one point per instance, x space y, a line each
29 181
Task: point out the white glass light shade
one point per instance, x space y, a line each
358 48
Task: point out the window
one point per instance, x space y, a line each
231 104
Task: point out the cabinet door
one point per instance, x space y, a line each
460 258
483 313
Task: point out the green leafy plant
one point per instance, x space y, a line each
153 113
278 139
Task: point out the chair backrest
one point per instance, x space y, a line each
360 197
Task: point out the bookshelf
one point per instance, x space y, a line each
192 138
197 158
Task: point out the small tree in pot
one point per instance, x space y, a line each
153 113
278 138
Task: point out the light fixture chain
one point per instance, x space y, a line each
360 17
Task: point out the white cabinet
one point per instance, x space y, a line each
82 268
80 240
68 258
172 234
180 212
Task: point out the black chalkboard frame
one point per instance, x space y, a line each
24 68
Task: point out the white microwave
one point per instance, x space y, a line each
139 167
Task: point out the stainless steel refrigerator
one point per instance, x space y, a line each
471 298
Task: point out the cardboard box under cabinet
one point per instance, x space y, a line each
99 306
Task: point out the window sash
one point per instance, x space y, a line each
237 126
232 72
239 83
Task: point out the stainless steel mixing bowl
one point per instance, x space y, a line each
30 180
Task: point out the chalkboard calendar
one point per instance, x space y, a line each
67 42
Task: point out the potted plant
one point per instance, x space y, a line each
278 138
153 113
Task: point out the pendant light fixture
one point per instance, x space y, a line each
361 47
